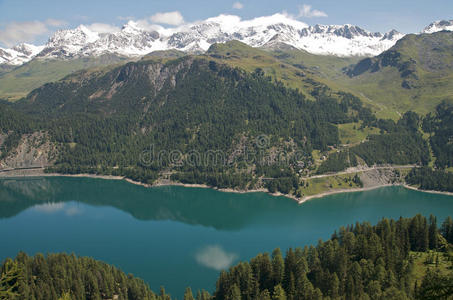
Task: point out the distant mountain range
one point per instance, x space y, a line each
409 72
134 40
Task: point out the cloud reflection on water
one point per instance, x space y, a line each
56 207
215 257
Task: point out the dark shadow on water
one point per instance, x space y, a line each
194 206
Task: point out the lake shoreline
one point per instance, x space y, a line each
224 190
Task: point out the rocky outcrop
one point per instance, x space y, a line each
33 151
379 177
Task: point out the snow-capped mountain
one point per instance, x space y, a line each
137 39
19 54
439 26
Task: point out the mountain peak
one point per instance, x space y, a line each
439 26
19 54
132 27
274 31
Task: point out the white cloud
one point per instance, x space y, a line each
19 32
215 257
238 5
146 25
103 28
308 12
169 18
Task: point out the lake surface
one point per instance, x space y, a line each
176 236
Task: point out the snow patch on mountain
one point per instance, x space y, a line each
19 54
439 26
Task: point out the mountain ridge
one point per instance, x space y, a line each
135 39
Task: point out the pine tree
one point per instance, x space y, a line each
264 295
203 295
278 267
234 293
447 229
65 296
432 232
188 295
374 289
334 286
279 293
288 277
10 277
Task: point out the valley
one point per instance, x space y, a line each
225 158
287 161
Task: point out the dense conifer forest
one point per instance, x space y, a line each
199 121
360 261
428 179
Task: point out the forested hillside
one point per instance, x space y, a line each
195 120
394 259
67 277
103 121
358 262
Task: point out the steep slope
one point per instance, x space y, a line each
415 74
238 54
295 68
22 80
196 120
330 70
104 120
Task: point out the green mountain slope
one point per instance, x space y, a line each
18 82
307 80
196 120
104 119
246 112
416 74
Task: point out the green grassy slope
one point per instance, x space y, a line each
307 80
329 67
416 74
18 82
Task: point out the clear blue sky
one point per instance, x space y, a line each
403 15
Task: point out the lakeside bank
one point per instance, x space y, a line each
24 173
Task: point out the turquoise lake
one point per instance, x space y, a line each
176 236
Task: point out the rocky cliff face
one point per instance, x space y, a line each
33 151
